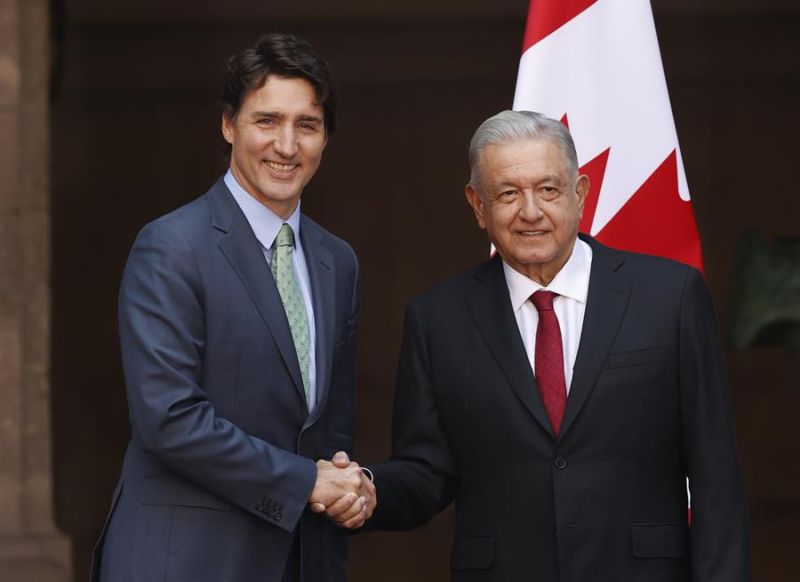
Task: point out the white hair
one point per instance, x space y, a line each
508 126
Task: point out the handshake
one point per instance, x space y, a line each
343 492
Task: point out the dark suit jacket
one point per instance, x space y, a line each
606 500
220 465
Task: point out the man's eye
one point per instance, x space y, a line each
266 121
507 195
309 126
548 192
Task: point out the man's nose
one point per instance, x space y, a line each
286 141
531 209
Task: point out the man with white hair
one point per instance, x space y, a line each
562 392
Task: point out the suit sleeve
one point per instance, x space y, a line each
162 336
720 540
419 479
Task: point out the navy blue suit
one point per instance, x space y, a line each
220 466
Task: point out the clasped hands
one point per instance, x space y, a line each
343 492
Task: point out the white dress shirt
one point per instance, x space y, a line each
571 284
265 225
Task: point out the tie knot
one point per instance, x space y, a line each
543 300
285 237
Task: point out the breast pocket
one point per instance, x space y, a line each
637 357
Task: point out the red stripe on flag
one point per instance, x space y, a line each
656 221
546 16
595 170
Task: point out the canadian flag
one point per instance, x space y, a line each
595 65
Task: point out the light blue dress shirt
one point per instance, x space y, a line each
265 225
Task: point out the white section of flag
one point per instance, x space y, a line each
603 70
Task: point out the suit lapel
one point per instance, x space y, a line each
322 272
490 306
243 251
606 303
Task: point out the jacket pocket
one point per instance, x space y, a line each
472 553
637 357
177 493
657 540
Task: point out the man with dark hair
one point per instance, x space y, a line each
237 318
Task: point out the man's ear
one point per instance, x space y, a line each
227 128
582 190
477 203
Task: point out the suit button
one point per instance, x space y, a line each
278 516
560 463
260 507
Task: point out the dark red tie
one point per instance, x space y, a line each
549 359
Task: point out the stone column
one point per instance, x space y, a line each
31 549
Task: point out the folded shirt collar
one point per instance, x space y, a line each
571 281
263 221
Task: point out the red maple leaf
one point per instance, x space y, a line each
655 220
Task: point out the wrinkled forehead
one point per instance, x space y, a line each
529 154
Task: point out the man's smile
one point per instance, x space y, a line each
280 167
532 233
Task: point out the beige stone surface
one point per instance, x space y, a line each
38 497
9 166
34 559
34 141
30 546
10 437
9 82
9 29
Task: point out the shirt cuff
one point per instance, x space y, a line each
368 473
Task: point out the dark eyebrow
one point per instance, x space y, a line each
266 114
277 115
313 118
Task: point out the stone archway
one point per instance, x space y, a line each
31 548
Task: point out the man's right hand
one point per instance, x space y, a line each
356 499
334 482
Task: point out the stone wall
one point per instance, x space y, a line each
30 547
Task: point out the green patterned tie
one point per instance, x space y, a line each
292 299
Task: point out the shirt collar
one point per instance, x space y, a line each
263 221
571 281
